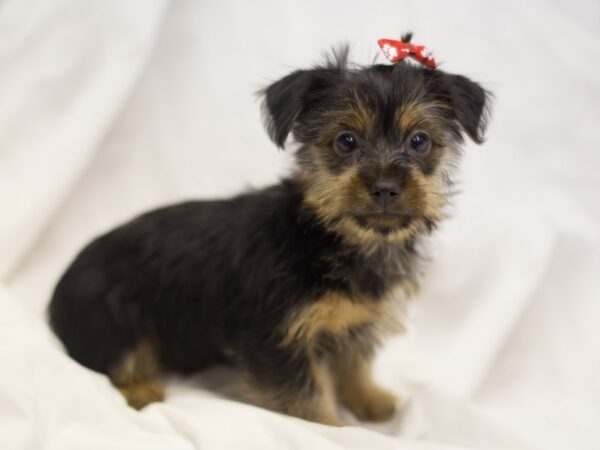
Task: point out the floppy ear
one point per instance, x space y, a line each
286 99
471 104
283 103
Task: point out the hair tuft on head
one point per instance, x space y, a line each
337 57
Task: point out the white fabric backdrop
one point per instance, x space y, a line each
109 108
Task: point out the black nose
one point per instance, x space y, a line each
385 192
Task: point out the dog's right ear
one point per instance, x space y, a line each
287 99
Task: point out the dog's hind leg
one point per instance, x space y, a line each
135 376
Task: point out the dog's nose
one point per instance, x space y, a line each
385 192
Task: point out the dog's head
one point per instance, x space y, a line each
377 144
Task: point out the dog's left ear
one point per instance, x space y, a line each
469 101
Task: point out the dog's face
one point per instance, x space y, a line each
377 144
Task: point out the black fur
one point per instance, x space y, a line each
201 277
207 282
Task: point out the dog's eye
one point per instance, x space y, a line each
345 143
420 143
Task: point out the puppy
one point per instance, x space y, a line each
294 284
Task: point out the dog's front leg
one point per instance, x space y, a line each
292 382
356 389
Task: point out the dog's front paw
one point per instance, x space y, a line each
375 404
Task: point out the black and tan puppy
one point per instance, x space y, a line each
297 283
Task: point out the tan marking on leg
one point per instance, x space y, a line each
323 406
334 313
318 406
358 392
142 393
315 402
135 376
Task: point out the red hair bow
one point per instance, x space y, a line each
397 50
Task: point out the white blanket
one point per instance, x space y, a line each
110 107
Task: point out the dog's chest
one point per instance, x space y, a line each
336 314
363 291
375 274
